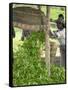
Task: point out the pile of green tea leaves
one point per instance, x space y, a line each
29 68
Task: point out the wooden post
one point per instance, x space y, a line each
41 19
47 43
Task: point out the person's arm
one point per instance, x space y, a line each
54 34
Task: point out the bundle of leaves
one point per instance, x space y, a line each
29 69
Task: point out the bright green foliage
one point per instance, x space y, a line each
54 11
58 74
29 69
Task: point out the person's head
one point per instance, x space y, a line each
61 16
60 21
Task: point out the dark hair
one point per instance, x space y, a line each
61 15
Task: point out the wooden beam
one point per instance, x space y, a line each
47 43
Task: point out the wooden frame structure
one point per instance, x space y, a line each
28 18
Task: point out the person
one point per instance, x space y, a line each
25 34
60 34
60 20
